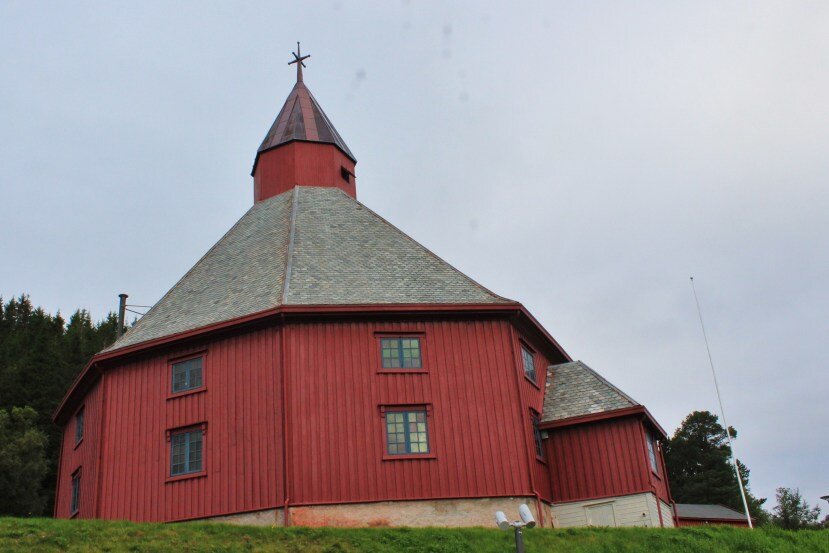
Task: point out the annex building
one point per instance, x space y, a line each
320 367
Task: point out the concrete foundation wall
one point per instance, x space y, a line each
629 510
437 512
667 514
269 517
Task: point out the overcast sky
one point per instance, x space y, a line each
583 158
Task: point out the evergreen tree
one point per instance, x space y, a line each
793 512
40 356
699 466
22 462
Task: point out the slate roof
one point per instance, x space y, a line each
574 390
307 246
301 118
691 510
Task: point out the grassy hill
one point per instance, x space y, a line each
35 535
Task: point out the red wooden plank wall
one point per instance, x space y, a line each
337 436
598 460
658 480
84 456
242 449
303 164
479 425
532 398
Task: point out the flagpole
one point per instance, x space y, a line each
722 411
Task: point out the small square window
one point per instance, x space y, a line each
186 452
187 375
406 432
400 353
75 503
528 358
79 420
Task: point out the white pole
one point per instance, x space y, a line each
722 411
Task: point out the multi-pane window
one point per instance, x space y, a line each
652 454
186 452
406 432
529 362
79 426
187 375
75 503
401 353
539 446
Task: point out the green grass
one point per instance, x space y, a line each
34 535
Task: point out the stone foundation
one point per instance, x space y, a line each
269 517
430 512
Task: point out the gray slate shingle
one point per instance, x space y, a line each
342 253
574 390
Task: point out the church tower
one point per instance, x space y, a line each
302 147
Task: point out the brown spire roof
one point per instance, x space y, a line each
301 118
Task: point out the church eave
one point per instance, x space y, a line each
605 415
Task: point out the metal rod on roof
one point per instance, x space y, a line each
122 307
722 411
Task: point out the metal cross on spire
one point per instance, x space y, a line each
298 57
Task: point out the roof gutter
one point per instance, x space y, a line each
595 417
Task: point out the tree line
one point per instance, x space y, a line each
700 470
41 354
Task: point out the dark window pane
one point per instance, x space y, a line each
539 446
75 503
406 432
399 353
187 375
529 363
186 452
652 454
79 421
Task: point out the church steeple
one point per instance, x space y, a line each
302 147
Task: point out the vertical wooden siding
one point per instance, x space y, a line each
532 397
597 460
658 480
338 435
242 449
84 456
302 164
479 424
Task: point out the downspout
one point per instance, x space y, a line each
647 466
57 480
530 466
658 506
648 470
101 443
285 441
667 484
289 259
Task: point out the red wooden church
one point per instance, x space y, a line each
319 367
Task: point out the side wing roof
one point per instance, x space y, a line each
575 390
